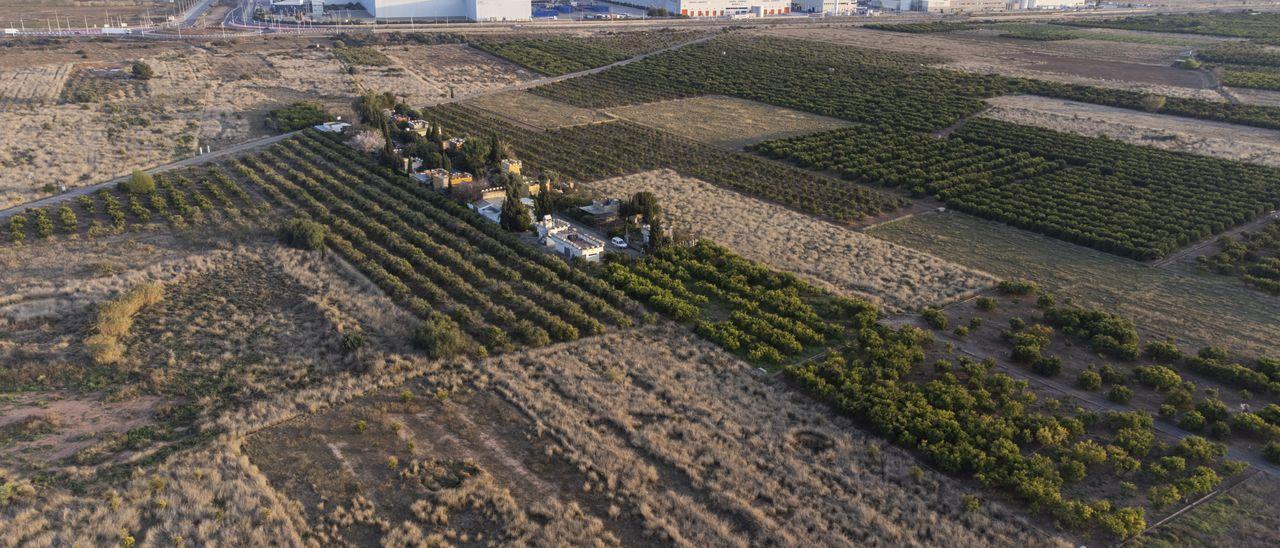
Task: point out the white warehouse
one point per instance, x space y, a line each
719 8
474 10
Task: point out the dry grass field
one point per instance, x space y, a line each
454 68
1131 66
834 257
1209 138
537 111
211 94
726 121
30 86
74 145
247 334
647 437
1249 510
1193 309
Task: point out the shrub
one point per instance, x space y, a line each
70 224
1220 429
1017 287
1045 300
1272 452
299 115
141 70
935 318
1158 377
44 224
1191 420
1163 351
353 341
1153 103
1048 366
1163 495
440 337
986 304
1089 380
140 182
304 234
970 503
17 228
1120 394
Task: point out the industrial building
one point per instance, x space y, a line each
474 10
719 8
833 7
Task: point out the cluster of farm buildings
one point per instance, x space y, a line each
578 238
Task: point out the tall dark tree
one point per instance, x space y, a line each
657 234
542 203
514 216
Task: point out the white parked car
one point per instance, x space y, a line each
618 242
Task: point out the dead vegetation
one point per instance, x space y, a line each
834 257
640 437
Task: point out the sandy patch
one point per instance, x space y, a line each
831 256
727 121
1217 139
538 111
75 423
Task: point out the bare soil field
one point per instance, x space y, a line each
834 257
1140 67
455 68
726 121
646 437
1193 309
537 111
1218 139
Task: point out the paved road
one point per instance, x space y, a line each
186 162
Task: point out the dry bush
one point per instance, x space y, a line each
203 497
115 317
831 256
